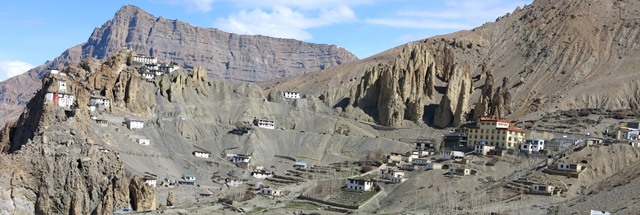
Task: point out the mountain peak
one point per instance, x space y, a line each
128 12
129 9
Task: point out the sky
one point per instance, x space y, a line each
35 31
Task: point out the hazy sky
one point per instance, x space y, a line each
36 31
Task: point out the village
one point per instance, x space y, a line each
463 152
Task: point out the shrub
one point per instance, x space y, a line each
585 112
365 168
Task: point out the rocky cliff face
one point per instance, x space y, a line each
400 89
43 178
223 55
454 105
493 102
51 159
143 197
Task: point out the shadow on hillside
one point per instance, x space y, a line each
428 115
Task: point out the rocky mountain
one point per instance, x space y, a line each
71 159
80 161
224 55
550 55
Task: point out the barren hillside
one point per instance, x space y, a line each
553 54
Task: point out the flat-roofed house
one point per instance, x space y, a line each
359 184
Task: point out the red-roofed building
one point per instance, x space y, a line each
495 132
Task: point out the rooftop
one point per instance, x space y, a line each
492 119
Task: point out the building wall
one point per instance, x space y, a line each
353 185
145 59
291 95
202 155
143 141
151 182
567 167
267 124
62 85
135 125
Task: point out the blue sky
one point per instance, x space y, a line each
37 31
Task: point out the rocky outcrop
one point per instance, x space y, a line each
171 199
143 196
400 89
493 102
47 182
275 95
454 105
50 153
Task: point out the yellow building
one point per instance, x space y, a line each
495 132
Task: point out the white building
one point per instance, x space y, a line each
532 145
202 154
432 166
62 85
99 101
168 68
292 95
541 189
635 144
421 161
188 177
241 158
300 165
152 67
233 182
495 132
359 184
148 75
261 174
395 176
460 171
415 154
150 180
144 59
171 181
60 99
54 72
265 123
482 149
271 192
570 167
134 124
143 141
102 122
448 155
599 212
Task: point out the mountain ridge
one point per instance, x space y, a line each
224 55
551 52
